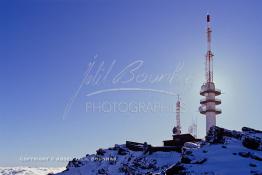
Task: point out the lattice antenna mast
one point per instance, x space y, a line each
178 126
209 54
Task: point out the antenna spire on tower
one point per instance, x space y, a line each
209 54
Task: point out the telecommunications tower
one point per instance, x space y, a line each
208 90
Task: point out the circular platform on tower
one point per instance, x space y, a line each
209 87
208 99
204 110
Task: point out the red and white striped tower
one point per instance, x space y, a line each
208 90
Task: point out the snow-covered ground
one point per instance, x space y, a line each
28 170
120 160
225 159
224 152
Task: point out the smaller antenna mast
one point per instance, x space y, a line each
177 128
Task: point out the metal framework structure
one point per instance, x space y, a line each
192 129
177 128
208 90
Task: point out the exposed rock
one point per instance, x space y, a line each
252 165
223 146
251 130
244 154
122 151
252 172
199 161
256 157
217 135
252 143
176 169
186 160
74 163
102 171
100 152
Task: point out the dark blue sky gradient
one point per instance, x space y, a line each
46 46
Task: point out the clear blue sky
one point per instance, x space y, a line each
46 46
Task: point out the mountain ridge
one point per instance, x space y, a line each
223 152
